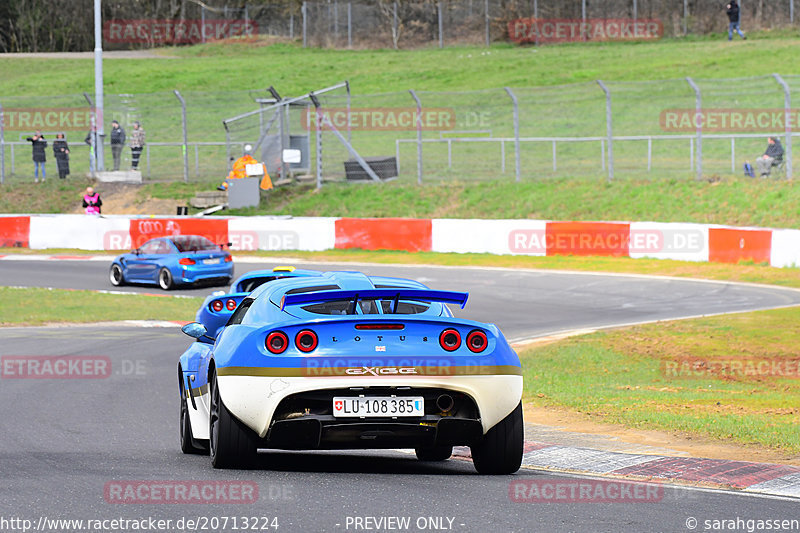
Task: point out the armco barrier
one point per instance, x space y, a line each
14 231
407 234
688 242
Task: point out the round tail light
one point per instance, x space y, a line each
306 340
277 342
477 341
230 304
450 339
216 305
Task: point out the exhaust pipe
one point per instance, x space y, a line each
445 402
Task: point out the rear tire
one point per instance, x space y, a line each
115 275
500 450
189 444
232 444
165 279
434 453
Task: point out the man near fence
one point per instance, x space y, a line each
732 10
117 142
39 156
773 156
137 144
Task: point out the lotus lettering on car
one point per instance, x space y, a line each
380 371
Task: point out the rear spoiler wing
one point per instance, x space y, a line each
450 297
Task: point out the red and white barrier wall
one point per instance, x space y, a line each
687 242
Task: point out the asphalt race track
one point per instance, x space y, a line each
522 303
65 441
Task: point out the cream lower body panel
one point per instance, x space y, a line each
253 399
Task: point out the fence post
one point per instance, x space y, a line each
635 11
202 22
304 12
349 25
336 22
486 21
685 16
395 26
439 17
516 130
349 127
419 136
698 118
787 104
2 147
185 139
318 139
609 131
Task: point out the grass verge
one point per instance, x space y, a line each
60 305
734 377
732 201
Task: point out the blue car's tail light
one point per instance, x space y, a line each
380 326
230 304
477 341
228 258
216 305
306 340
277 342
187 261
450 339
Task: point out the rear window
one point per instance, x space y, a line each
251 284
193 243
238 315
366 307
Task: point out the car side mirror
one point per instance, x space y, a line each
136 251
196 330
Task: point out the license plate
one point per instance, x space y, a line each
379 406
210 261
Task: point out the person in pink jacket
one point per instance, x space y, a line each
92 202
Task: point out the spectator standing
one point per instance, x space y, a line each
773 156
91 141
732 10
39 155
92 202
61 153
137 144
117 142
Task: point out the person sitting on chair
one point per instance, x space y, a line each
773 156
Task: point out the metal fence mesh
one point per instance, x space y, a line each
563 131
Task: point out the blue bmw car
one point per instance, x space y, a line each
218 308
172 261
344 360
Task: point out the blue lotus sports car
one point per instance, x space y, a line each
347 361
219 306
171 261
